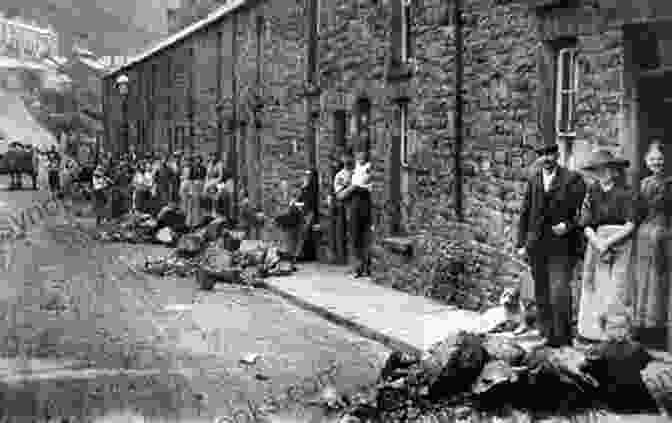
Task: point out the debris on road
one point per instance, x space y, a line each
485 373
220 260
136 228
250 359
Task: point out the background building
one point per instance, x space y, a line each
386 80
23 48
114 28
26 40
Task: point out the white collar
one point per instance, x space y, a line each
551 173
607 188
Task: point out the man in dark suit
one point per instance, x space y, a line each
548 236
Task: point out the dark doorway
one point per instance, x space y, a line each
655 118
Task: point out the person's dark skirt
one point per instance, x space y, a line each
340 233
360 226
54 180
120 202
142 199
164 194
99 204
223 205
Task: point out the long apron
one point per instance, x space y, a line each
605 290
195 210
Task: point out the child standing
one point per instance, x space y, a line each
100 185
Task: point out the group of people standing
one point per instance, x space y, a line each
623 237
45 167
351 208
147 185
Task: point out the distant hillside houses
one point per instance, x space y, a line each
114 61
26 40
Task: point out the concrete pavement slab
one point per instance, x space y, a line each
397 319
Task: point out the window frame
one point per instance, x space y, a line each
403 134
566 56
405 31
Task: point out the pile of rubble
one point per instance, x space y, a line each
485 374
135 228
216 253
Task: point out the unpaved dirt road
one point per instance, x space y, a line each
67 297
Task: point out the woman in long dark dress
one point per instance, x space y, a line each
608 218
197 177
164 180
298 235
213 178
652 276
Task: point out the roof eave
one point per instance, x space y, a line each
214 17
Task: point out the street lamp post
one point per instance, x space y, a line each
122 86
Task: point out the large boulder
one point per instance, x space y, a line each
657 377
216 229
460 363
617 366
165 236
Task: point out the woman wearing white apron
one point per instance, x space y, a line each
608 219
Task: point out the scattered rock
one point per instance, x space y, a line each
505 349
463 365
165 236
657 377
495 373
250 359
191 245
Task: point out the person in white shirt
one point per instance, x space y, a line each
361 217
342 181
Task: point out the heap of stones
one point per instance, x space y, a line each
493 375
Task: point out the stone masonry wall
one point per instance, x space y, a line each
500 112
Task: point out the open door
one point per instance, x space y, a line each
655 121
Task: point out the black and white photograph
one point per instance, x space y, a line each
335 211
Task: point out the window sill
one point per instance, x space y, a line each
410 168
399 245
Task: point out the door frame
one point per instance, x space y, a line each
647 131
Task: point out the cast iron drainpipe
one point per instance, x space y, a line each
459 82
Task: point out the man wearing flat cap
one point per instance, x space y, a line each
548 236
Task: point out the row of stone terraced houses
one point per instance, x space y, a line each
575 72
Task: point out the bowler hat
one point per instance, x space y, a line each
543 150
605 158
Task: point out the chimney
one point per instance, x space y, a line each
13 13
171 15
81 41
